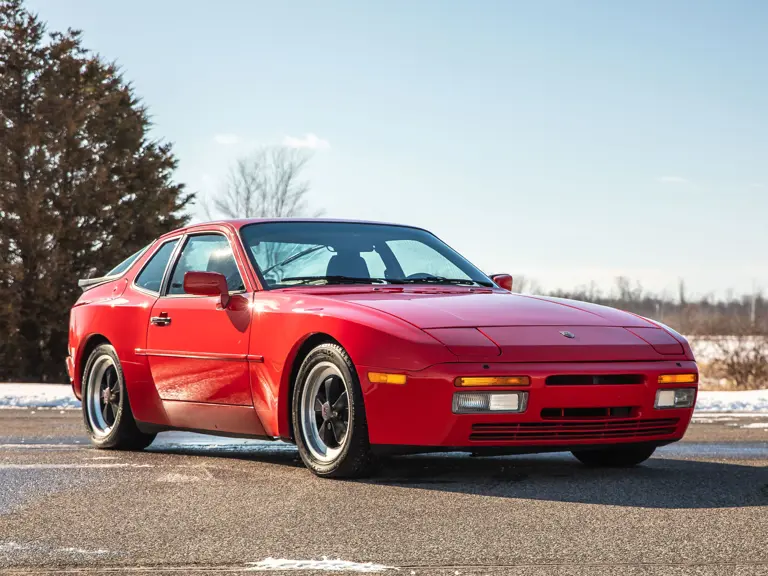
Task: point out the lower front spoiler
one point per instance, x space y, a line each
401 450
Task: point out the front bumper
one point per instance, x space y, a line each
419 413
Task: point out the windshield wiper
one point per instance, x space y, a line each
333 280
440 280
293 258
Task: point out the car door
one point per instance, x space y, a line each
198 350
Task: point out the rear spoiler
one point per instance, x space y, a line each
88 283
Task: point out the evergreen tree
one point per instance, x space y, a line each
82 185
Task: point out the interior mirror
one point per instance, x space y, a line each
503 281
207 284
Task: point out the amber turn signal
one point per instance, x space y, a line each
384 378
677 378
493 381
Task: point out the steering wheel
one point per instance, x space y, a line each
419 276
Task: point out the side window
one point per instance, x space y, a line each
151 276
206 253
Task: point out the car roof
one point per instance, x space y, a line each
238 223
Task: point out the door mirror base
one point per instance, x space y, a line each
503 281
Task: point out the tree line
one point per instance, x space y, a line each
707 315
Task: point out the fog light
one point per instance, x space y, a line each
675 398
504 403
478 402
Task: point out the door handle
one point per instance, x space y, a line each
160 320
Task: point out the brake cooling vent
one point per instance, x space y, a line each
572 431
594 379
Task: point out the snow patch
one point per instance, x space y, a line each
757 425
724 416
275 564
732 401
38 396
708 349
11 547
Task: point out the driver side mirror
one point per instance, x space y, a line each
207 284
503 281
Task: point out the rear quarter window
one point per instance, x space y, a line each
127 263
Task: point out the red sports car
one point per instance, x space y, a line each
355 338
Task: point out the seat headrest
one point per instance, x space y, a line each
348 264
223 262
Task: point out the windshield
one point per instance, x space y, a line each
293 253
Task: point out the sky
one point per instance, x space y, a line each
564 142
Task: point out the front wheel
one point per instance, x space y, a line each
106 409
615 457
329 416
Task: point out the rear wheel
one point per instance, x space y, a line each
615 457
106 409
329 416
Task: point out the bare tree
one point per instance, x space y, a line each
265 184
525 285
738 358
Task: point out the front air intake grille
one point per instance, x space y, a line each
568 431
590 413
594 379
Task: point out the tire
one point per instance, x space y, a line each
318 415
615 457
111 427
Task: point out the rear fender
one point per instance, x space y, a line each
122 322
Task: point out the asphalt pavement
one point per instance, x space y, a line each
195 504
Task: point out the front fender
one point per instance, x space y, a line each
282 323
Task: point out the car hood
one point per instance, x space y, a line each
495 326
471 310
